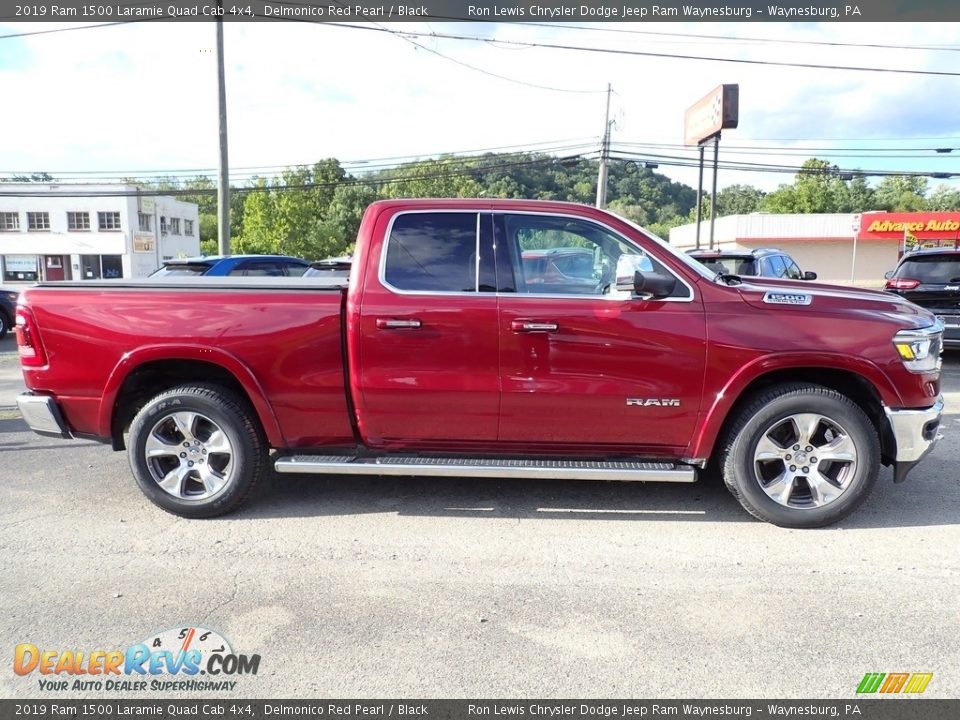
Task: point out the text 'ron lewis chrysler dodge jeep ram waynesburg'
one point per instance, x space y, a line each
491 338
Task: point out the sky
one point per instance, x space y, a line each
140 99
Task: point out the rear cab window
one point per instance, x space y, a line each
432 252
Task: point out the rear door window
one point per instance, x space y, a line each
432 252
932 269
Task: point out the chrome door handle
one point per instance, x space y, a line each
533 326
391 324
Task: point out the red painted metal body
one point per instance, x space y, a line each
465 380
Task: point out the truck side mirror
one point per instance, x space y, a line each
888 274
637 276
809 275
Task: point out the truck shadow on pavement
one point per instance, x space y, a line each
705 501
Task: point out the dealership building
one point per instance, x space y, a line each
841 248
87 232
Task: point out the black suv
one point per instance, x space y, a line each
762 262
931 279
8 309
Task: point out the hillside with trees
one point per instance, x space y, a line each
314 211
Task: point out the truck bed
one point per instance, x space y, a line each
282 337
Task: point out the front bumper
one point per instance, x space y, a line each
42 415
916 433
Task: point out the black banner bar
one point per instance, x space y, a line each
12 11
854 708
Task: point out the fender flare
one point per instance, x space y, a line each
724 401
131 361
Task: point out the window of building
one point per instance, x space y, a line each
38 221
163 225
188 228
95 267
433 252
20 268
108 220
78 221
146 221
174 226
9 221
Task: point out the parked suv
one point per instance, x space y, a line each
931 279
234 265
762 262
8 309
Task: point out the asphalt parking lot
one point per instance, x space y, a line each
442 588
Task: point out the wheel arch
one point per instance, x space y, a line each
862 382
148 371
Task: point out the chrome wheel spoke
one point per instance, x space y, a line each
185 422
822 491
780 488
768 449
173 481
840 448
158 447
218 443
806 425
212 481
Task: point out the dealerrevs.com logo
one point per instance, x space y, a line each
180 659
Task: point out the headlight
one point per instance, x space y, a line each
920 349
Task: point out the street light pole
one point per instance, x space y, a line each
223 184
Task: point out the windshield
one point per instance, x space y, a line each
931 269
694 265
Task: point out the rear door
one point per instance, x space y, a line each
428 334
584 369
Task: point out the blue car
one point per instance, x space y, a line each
235 265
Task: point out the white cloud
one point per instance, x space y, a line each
143 96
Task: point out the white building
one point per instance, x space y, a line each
85 232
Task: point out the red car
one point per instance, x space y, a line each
447 353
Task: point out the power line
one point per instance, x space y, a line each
736 38
367 164
643 53
461 63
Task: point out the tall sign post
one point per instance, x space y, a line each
717 110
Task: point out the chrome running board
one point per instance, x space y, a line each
618 470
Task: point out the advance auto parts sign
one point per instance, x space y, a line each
922 225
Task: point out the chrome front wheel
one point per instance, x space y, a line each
805 460
800 455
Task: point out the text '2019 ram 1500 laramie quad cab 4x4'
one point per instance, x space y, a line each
450 351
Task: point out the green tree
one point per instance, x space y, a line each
738 200
944 198
898 193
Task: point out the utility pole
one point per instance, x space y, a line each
604 156
223 184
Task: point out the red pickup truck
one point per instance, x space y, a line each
491 338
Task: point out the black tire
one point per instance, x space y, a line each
5 325
215 407
742 475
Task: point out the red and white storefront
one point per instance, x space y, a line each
841 248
